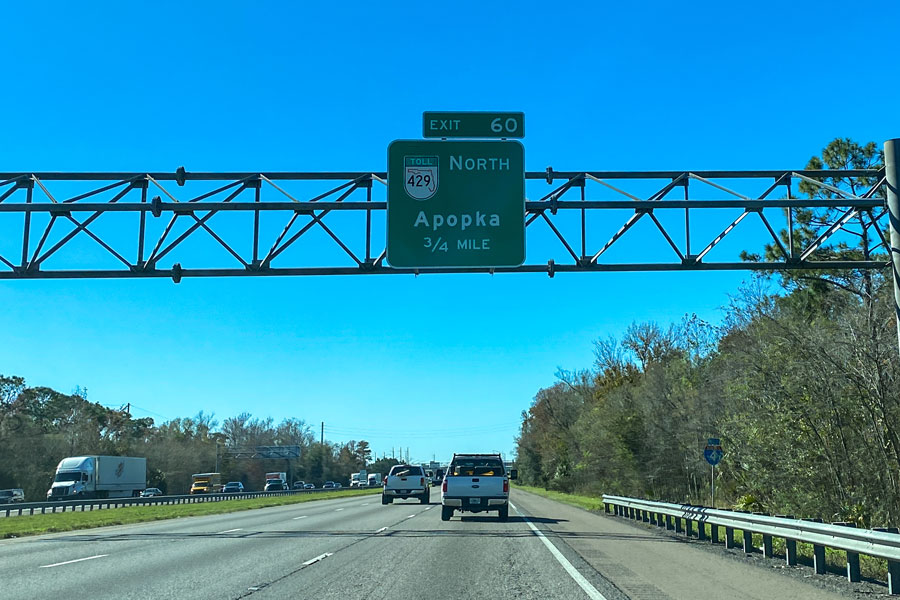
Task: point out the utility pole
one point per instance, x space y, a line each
322 437
892 175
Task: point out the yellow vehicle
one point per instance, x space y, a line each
206 483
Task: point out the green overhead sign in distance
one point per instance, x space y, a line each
456 204
473 125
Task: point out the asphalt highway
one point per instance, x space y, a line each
357 548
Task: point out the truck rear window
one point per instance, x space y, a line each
476 467
405 471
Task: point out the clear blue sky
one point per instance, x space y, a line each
438 363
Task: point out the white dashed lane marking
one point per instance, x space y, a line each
69 562
317 559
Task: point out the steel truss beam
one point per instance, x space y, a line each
151 198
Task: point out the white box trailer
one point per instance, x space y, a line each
97 476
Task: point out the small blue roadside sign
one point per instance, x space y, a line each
713 451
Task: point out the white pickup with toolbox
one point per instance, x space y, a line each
405 481
476 483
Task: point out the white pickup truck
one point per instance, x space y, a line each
405 481
476 483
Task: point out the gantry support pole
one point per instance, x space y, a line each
892 174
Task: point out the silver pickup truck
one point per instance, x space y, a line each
476 483
405 481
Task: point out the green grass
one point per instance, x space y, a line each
11 527
586 502
870 567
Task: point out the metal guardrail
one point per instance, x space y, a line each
31 508
880 542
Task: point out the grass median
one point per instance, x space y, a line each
12 527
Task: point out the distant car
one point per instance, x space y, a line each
299 485
274 485
150 492
337 485
233 487
328 485
309 486
10 496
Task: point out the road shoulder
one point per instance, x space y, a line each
643 562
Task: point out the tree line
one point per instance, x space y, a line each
39 426
800 381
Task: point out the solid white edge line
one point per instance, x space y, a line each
69 562
229 531
583 583
317 559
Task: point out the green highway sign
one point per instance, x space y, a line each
473 124
456 204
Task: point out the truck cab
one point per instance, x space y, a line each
476 483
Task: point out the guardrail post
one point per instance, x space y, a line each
689 527
669 524
678 527
652 516
818 553
853 574
729 537
790 552
701 530
893 568
748 541
819 559
714 533
606 507
767 546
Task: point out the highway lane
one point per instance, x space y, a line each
357 548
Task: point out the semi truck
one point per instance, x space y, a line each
360 479
83 477
206 483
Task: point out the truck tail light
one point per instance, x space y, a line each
422 481
506 486
444 486
384 481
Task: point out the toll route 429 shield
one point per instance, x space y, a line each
420 176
